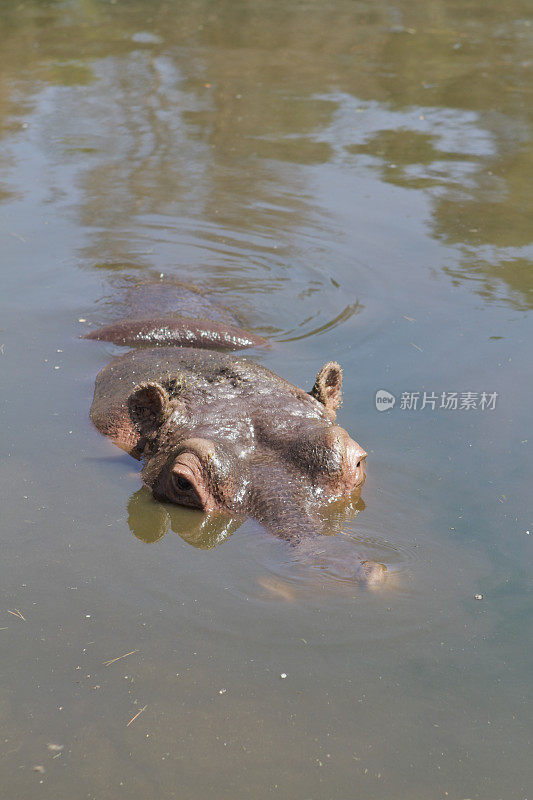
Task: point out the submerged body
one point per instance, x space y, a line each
224 434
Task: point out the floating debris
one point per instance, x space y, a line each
283 675
478 596
16 613
138 714
112 660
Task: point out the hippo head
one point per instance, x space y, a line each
219 433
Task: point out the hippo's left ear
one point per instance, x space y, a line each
327 388
149 406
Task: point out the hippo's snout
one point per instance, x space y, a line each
348 465
355 459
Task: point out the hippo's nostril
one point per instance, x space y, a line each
183 484
355 462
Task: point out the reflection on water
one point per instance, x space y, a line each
351 178
478 202
171 115
149 520
487 277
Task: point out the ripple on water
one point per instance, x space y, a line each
255 585
430 576
256 577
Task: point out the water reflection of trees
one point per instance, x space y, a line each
218 101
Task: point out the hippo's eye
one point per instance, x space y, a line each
186 483
183 484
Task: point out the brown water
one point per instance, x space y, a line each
353 178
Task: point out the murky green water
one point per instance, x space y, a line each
353 177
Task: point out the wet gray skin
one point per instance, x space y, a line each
172 329
225 435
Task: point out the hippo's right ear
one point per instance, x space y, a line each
149 406
328 385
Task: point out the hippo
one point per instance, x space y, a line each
221 433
